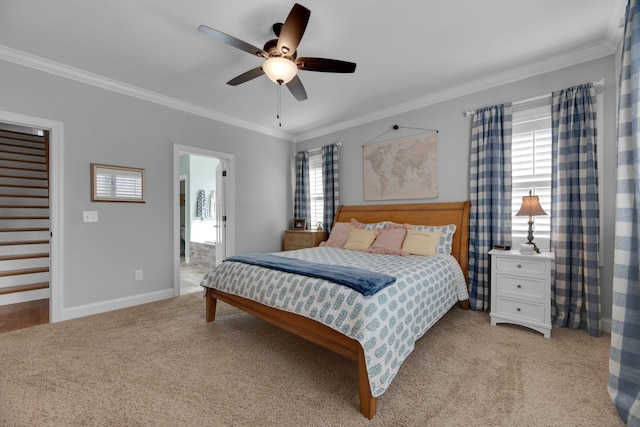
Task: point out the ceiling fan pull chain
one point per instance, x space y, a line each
279 107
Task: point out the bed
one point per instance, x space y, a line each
380 350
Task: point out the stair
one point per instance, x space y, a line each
24 228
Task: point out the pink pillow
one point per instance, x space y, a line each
339 234
390 238
356 224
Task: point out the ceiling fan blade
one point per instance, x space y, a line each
297 89
245 77
232 41
293 29
325 65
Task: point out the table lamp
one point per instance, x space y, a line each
531 207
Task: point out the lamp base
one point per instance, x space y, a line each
530 236
529 248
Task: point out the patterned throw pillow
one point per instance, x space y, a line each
372 226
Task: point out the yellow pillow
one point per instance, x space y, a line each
360 240
421 242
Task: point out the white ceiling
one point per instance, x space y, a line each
408 52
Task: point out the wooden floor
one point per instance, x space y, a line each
23 315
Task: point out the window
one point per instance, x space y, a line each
316 190
531 171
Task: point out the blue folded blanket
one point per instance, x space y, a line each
364 281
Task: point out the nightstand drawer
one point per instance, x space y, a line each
522 309
520 287
303 240
521 267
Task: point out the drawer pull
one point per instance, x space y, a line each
519 286
518 309
519 266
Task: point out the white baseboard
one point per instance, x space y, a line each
69 313
606 325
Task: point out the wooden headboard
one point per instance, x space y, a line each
419 214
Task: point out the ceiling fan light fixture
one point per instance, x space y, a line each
280 70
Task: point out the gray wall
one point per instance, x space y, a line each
107 127
454 136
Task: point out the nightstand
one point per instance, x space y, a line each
521 289
300 239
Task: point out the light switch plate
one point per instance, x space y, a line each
90 216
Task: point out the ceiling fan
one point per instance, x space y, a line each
281 63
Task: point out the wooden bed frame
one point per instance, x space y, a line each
418 214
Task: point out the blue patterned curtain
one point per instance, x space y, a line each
624 363
490 194
575 228
331 183
302 199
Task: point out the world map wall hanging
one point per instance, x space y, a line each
402 168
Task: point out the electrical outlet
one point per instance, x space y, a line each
90 216
138 275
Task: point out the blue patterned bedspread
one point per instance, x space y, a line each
386 324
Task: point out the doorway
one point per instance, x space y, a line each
30 218
203 214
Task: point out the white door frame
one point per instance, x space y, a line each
178 150
56 145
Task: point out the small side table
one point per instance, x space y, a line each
300 239
521 289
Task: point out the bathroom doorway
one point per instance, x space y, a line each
203 214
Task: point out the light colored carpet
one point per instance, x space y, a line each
161 364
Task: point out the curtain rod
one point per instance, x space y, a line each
313 150
597 84
396 127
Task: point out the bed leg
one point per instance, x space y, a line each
465 305
368 403
210 306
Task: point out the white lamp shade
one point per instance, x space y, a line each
280 70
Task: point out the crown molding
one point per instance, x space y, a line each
42 64
509 76
499 79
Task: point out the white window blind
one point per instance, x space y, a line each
316 189
123 185
531 171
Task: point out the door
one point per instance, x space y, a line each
221 213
